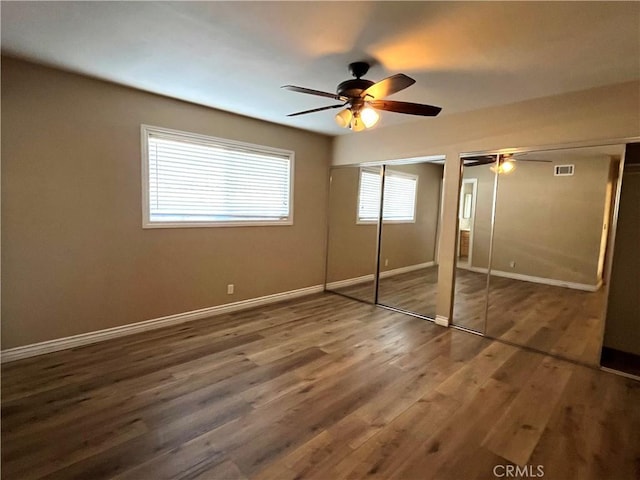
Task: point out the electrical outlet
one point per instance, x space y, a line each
386 262
512 264
230 288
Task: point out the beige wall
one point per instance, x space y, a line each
352 246
74 255
599 113
549 226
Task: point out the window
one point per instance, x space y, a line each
192 180
399 196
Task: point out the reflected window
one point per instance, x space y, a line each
399 196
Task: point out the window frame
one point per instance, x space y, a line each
146 130
388 172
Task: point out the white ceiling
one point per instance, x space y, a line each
235 55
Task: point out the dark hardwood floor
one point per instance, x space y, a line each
321 387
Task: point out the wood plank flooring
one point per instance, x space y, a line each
321 387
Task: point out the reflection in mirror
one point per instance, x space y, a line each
352 243
552 215
474 238
408 266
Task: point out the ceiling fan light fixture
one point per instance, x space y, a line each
357 125
344 117
369 117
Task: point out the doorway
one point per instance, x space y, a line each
466 219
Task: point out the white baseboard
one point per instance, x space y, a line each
407 269
369 278
442 321
26 351
620 373
529 278
349 281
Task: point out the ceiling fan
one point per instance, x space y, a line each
363 97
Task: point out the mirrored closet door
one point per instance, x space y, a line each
383 233
543 245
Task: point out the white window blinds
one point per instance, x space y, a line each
203 180
369 196
399 196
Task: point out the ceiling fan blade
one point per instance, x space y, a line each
388 86
310 91
532 160
474 160
476 163
406 107
316 110
477 160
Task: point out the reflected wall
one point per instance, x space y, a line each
351 246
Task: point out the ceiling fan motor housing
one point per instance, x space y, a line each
353 88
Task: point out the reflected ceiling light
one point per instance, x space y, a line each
505 165
369 117
344 118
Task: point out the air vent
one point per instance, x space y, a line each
563 170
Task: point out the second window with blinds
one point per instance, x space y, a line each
192 180
400 190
